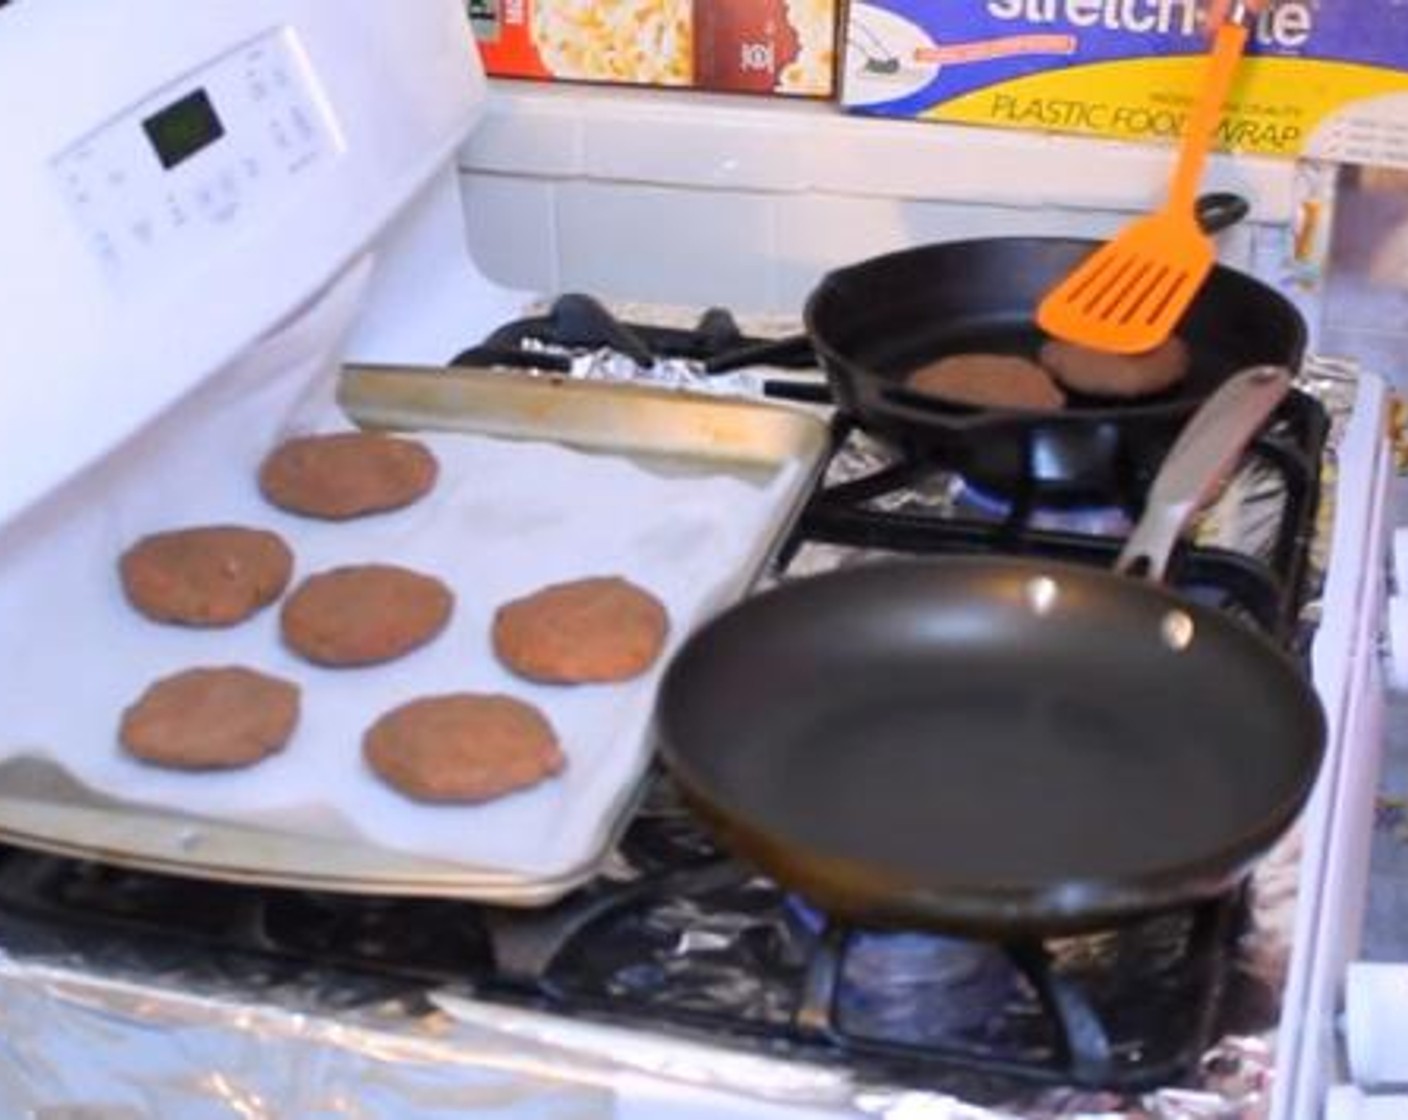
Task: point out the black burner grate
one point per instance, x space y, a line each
576 322
697 944
1263 582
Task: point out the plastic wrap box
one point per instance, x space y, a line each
1325 79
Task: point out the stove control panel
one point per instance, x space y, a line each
177 175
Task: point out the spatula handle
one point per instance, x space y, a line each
1229 42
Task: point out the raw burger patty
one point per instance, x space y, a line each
364 613
346 474
1102 374
462 747
211 719
599 629
988 381
213 575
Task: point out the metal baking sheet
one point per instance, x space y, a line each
42 806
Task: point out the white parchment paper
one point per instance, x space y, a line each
505 518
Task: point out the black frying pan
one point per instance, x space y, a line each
999 745
873 323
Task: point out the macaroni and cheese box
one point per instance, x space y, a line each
1328 80
745 46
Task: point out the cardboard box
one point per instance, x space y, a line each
1328 80
745 46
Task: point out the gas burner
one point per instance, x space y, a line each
1061 1011
1098 519
877 500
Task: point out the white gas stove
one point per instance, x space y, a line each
236 174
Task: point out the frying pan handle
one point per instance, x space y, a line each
1220 210
1198 462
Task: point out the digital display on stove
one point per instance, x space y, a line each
183 128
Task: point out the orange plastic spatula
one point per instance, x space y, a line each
1129 294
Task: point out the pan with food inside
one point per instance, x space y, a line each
937 349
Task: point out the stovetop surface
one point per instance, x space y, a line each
679 935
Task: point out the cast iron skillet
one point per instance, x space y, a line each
873 323
999 746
